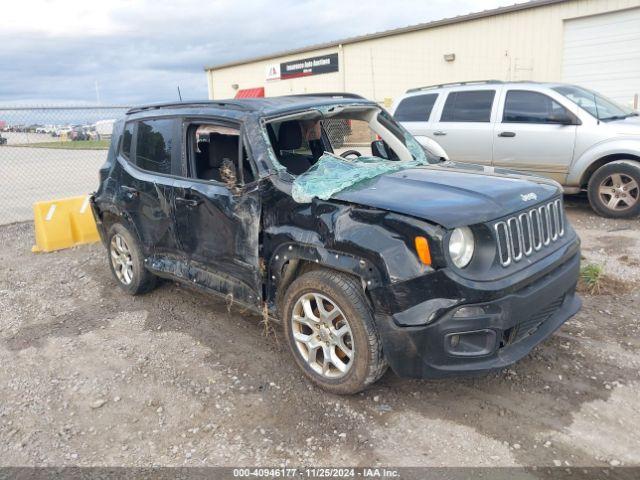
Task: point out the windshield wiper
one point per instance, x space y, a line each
620 117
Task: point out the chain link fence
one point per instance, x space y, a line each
50 152
347 134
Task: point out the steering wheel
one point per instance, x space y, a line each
350 152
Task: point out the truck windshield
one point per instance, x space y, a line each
599 106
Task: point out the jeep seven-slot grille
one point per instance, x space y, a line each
522 235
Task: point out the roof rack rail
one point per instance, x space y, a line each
329 94
470 82
203 103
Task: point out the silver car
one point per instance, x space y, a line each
575 136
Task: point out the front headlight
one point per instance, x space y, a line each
461 246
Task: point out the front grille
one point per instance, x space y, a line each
534 322
522 235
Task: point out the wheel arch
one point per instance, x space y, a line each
600 162
108 215
291 260
598 155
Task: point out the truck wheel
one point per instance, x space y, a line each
614 189
330 330
127 262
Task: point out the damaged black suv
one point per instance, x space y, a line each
321 211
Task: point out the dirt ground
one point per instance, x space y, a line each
90 376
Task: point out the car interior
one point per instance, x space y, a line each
293 151
216 154
299 143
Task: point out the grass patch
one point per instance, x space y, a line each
593 281
591 276
69 145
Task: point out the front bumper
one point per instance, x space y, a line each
513 322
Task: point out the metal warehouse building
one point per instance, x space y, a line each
594 43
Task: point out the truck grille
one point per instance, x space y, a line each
522 235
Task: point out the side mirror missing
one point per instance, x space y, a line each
379 149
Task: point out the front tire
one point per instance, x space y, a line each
127 261
331 333
614 189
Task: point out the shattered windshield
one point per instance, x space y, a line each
328 152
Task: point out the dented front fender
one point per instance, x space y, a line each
374 245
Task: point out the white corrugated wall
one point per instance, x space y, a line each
522 45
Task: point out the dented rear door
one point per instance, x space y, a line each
218 232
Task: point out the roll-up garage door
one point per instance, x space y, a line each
602 52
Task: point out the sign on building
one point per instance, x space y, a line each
309 66
273 71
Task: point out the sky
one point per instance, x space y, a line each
139 51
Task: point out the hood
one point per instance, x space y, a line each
450 194
627 126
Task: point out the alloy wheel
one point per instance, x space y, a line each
619 192
121 259
322 335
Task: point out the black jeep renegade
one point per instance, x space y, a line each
323 212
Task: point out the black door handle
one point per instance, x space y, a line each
129 192
188 202
439 133
507 134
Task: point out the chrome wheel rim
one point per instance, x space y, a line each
121 259
619 192
322 335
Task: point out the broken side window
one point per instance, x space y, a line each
215 154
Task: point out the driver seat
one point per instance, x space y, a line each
290 138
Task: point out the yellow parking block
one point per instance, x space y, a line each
63 223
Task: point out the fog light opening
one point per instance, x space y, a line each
471 344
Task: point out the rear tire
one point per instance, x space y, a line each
614 189
339 350
127 261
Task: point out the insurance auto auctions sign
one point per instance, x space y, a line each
309 66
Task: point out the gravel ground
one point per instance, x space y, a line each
92 377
